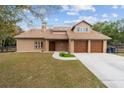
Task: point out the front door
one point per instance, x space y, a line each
52 46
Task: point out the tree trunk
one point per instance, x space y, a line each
2 45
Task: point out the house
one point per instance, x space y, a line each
80 38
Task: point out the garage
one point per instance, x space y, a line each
96 46
80 46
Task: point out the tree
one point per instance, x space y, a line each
8 19
113 29
11 15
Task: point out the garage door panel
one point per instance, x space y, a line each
80 46
96 46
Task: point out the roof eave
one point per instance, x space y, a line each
29 37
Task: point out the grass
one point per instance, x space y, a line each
62 54
41 70
121 54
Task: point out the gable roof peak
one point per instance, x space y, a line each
83 21
86 22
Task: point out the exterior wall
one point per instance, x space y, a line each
26 45
46 45
61 45
71 46
82 25
104 46
89 46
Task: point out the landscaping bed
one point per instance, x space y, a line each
63 54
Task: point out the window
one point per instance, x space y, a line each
82 29
38 44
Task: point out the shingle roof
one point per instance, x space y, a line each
50 35
36 33
87 35
65 34
68 34
33 33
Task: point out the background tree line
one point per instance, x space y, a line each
113 29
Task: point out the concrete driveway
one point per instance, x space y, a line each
109 68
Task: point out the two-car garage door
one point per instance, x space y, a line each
81 46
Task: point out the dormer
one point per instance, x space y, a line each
82 26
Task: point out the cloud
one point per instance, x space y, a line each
115 7
122 6
104 15
107 17
114 15
56 19
103 19
72 13
118 6
72 21
65 7
79 8
69 21
90 19
75 9
46 19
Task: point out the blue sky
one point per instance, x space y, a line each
68 15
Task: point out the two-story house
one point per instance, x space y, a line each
80 38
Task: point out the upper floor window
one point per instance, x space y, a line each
38 44
82 29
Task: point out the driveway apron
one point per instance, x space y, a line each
109 68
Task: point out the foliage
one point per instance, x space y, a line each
8 19
11 15
62 54
113 29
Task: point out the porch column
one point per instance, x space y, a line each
71 46
104 46
46 46
89 46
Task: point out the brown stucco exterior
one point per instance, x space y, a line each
82 24
27 45
63 40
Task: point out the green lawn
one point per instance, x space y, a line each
41 70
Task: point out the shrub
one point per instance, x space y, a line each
62 54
